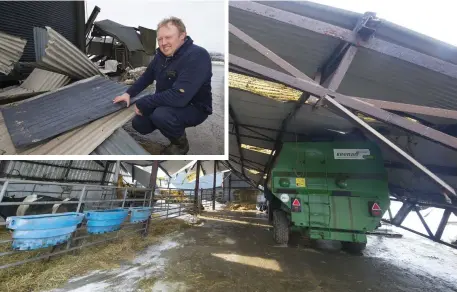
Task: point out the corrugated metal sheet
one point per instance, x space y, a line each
11 49
83 140
173 166
120 143
305 50
37 82
125 34
19 18
55 53
55 170
371 75
62 110
42 80
390 79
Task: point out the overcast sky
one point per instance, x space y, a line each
433 18
204 20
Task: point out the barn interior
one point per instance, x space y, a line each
219 240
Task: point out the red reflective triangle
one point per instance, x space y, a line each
296 203
375 207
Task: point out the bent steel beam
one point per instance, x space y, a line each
267 53
330 30
348 101
341 101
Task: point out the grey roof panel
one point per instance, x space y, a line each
120 143
124 34
55 53
37 82
65 109
11 49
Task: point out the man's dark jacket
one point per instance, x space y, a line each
181 80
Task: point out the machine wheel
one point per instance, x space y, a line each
354 247
280 227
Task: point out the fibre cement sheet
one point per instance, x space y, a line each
72 106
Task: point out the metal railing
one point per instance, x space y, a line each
164 206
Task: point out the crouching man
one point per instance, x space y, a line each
183 98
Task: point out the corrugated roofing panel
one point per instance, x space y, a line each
390 79
62 110
124 34
120 143
56 170
42 80
305 50
37 82
55 53
252 109
11 48
85 139
173 166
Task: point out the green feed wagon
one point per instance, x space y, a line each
328 190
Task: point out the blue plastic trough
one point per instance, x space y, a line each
103 221
140 214
40 231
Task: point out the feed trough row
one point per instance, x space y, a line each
40 231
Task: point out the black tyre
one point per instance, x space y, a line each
353 247
280 227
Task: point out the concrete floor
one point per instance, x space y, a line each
234 251
205 139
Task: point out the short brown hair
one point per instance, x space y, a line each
174 21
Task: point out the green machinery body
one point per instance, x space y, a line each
338 186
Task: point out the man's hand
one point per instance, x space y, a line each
137 111
125 97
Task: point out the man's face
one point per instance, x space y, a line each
169 39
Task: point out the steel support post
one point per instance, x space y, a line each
81 198
230 188
424 223
3 191
402 213
237 131
124 197
197 186
443 222
214 185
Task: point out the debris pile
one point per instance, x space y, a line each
132 75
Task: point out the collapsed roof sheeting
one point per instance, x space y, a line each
62 110
406 76
124 34
37 82
148 39
80 141
11 49
120 143
55 53
84 140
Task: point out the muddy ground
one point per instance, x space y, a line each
234 251
205 139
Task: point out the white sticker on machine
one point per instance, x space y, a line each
351 153
285 198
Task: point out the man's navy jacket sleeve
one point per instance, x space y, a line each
194 73
144 81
